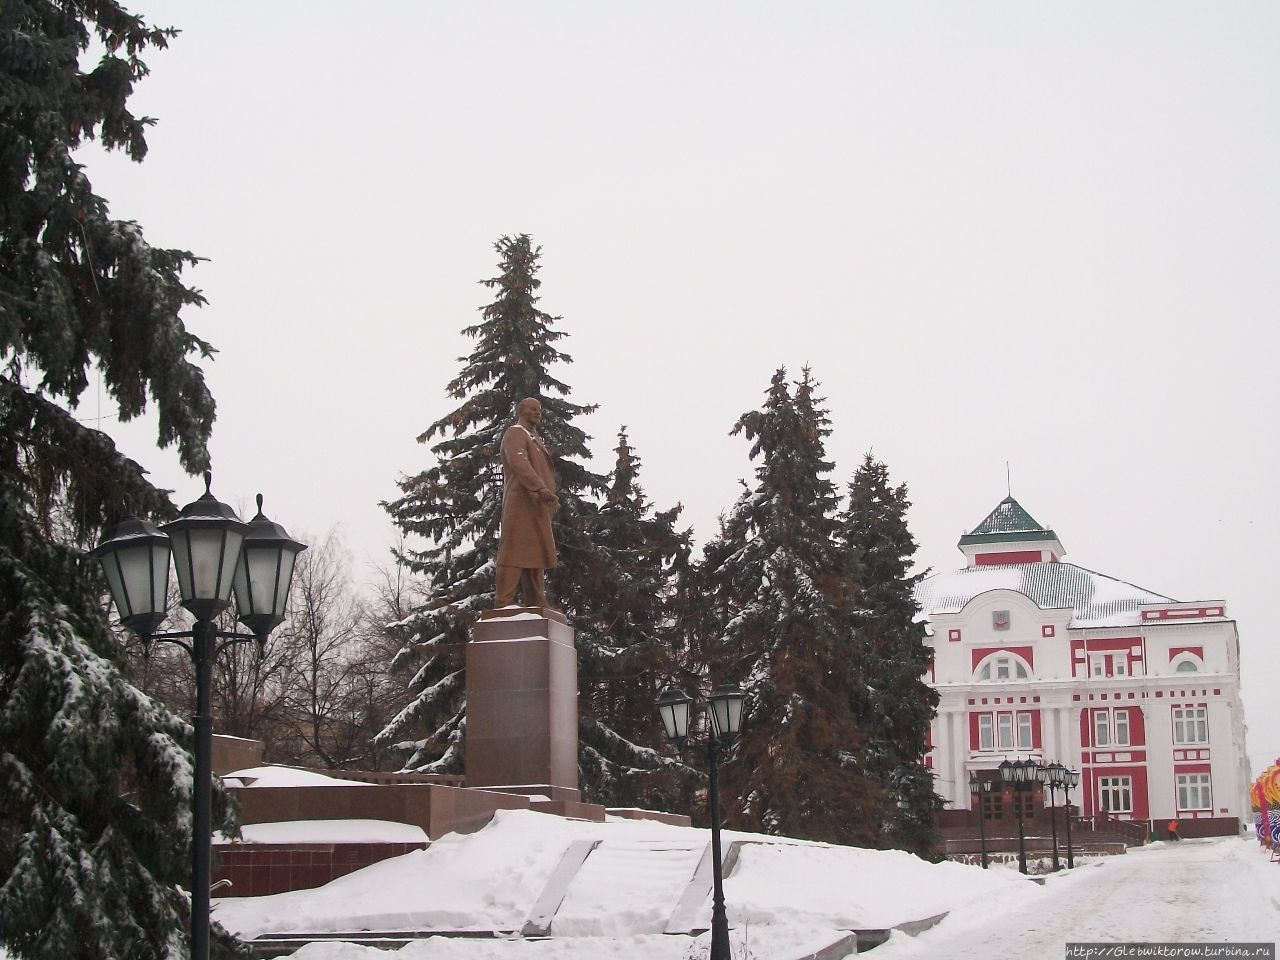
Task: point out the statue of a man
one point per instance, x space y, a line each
526 548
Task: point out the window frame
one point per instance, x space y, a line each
1018 724
1119 719
1190 725
1006 730
1003 742
1203 788
1102 728
1117 786
1003 667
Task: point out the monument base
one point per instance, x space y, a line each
522 704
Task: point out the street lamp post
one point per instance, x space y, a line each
1021 774
1045 773
214 553
724 707
977 788
1051 776
1070 778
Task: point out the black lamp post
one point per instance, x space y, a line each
212 549
1070 778
978 787
1053 776
724 707
1021 774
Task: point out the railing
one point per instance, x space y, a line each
1134 832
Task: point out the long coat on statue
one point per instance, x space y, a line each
525 538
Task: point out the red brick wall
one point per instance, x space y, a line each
257 869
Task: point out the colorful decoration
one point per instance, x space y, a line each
1264 797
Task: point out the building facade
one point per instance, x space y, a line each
1036 657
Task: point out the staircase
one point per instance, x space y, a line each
1093 836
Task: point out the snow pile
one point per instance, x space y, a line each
629 886
761 943
852 888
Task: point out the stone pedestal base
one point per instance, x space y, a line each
522 704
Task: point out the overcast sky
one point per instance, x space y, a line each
1036 233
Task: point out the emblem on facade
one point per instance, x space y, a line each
1000 619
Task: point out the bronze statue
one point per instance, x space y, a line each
526 547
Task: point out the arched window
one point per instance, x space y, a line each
1187 666
1002 667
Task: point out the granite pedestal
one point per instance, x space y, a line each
522 704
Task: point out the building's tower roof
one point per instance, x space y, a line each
1010 535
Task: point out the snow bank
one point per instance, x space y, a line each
855 889
489 881
761 943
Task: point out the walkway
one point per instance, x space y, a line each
1196 890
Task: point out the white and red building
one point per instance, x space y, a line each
1036 657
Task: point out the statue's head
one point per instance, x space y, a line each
530 411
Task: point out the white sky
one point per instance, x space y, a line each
997 231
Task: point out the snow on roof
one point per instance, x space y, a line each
1095 599
273 776
331 831
1008 517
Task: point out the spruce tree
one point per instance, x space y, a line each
95 777
780 581
456 505
625 654
894 705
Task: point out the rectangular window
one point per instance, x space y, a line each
986 732
1115 794
1024 731
1193 792
1002 668
1121 662
1004 722
1190 725
1097 665
1121 725
1101 729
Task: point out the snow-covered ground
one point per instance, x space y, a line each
630 885
1193 891
785 898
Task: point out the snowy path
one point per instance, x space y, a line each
1197 890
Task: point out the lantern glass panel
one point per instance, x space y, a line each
138 577
135 561
205 556
673 708
725 707
116 583
258 581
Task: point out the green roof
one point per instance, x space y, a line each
1007 522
